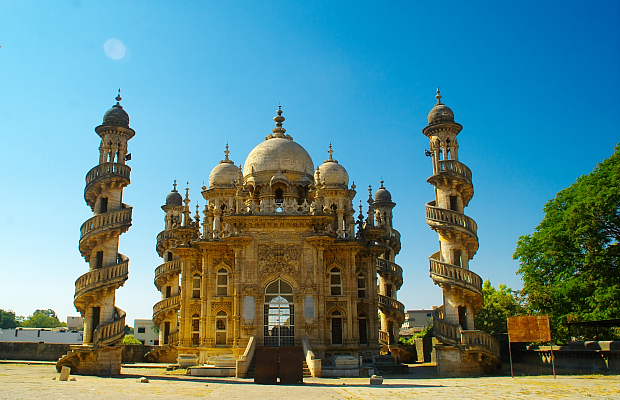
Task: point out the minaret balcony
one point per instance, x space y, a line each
112 172
102 223
454 167
436 216
161 307
111 276
110 332
391 307
165 270
390 270
444 273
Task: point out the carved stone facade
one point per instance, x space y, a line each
277 258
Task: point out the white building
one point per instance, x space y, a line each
41 335
145 331
417 320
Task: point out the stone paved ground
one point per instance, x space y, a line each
35 382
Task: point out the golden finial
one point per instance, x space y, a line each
118 97
227 152
331 152
438 96
279 129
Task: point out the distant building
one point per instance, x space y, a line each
416 320
41 335
145 331
75 323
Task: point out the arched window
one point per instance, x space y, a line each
195 329
337 319
279 314
222 282
221 320
335 282
169 256
196 286
361 286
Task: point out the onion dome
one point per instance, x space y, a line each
440 113
382 194
331 173
278 153
116 116
174 198
225 173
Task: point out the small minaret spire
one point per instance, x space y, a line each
438 96
331 152
118 97
279 130
227 152
174 186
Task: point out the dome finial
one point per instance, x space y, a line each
279 130
118 97
174 186
331 152
227 152
382 182
438 96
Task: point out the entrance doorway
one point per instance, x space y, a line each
279 315
336 327
220 328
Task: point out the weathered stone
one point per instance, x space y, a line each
64 374
143 380
376 380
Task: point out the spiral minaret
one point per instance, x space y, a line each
458 243
95 291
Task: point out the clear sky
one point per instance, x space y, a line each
534 83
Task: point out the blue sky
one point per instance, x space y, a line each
534 83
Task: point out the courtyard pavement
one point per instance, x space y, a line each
20 381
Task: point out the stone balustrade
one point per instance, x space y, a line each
455 167
385 267
165 305
101 277
384 337
477 338
445 216
110 332
446 332
442 272
391 305
167 268
106 170
107 220
173 338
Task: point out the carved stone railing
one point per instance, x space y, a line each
445 216
315 365
104 221
391 306
442 272
481 339
165 305
110 332
106 170
455 167
101 277
446 332
173 338
165 269
384 337
385 267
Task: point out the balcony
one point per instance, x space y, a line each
480 339
442 272
165 269
436 215
110 332
171 303
101 277
393 270
454 167
392 306
101 223
102 172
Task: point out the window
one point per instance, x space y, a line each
141 329
454 203
169 256
361 286
195 329
279 315
196 286
103 205
388 290
363 330
456 257
222 282
168 291
99 259
335 282
220 328
336 327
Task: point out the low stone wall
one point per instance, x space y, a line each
53 351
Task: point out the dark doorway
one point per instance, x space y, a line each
336 328
166 331
463 317
363 331
96 317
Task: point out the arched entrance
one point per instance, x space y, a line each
279 314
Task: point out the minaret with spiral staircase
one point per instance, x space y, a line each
95 291
463 349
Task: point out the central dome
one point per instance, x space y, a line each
278 154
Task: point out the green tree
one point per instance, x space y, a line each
7 319
131 339
499 304
571 264
42 319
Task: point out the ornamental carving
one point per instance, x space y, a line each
282 258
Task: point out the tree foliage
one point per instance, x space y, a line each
131 339
42 319
499 304
571 264
7 319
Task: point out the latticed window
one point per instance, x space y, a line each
335 282
279 314
222 282
195 329
361 286
196 286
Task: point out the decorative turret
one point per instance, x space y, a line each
104 323
449 267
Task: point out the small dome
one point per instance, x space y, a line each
440 113
174 198
224 174
382 194
116 116
333 174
